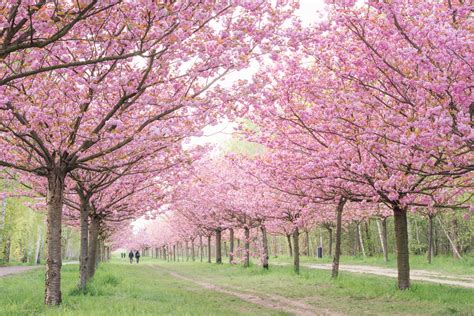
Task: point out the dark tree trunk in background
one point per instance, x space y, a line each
290 249
93 243
53 263
83 258
231 245
174 253
337 251
296 250
209 248
308 253
430 238
193 254
385 238
265 247
247 247
200 247
330 240
218 246
370 246
401 235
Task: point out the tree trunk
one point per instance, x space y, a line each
209 249
38 245
430 238
290 249
174 253
218 246
193 254
330 241
265 247
361 241
306 233
83 258
247 247
6 250
337 252
370 246
200 247
93 241
296 252
231 245
453 246
401 235
382 236
187 250
53 239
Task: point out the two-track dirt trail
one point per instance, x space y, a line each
15 269
273 301
466 281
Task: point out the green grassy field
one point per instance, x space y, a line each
150 289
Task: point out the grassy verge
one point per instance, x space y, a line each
445 264
353 294
119 289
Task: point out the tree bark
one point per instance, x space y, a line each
265 247
296 248
382 229
401 235
38 245
290 249
54 219
337 251
83 258
306 233
93 242
430 238
247 247
209 249
193 254
330 240
231 245
200 247
218 246
361 241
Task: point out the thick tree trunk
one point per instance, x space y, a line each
296 250
53 239
265 247
290 249
247 247
430 238
219 246
401 235
93 242
337 251
209 249
83 258
231 245
174 253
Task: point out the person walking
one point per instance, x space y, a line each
130 255
137 256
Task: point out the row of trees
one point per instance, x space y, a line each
97 96
366 114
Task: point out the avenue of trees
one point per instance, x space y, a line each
360 124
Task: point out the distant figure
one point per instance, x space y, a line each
130 255
137 256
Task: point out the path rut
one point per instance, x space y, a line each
271 301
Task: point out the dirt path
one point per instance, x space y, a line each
271 301
466 281
15 269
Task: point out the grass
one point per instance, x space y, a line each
444 264
121 288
